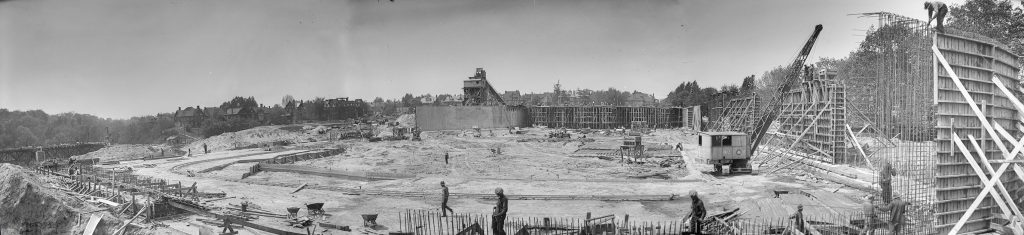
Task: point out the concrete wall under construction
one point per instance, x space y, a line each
434 118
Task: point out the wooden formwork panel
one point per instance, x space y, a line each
975 62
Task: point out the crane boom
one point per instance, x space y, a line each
771 111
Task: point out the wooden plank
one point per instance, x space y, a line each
94 220
977 170
234 220
126 223
857 143
299 188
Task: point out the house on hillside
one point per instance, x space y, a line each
452 100
427 100
215 113
640 99
239 113
189 117
512 97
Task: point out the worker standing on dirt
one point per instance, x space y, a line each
936 11
885 181
798 219
697 213
897 209
444 201
500 210
446 158
205 150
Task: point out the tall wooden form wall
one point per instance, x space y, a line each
739 115
610 117
975 60
815 112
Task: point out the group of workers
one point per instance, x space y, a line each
695 218
895 206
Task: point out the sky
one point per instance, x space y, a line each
124 58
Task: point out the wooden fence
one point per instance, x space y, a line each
430 222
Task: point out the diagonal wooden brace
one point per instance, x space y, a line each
1008 211
988 127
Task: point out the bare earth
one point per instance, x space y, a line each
529 168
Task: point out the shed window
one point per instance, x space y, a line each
722 140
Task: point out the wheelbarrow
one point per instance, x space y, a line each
293 212
315 209
369 220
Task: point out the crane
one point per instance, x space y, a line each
772 110
735 148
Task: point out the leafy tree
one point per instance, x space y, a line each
997 19
748 84
287 99
407 100
241 102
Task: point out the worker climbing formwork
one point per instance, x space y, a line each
936 11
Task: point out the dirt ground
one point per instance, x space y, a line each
525 166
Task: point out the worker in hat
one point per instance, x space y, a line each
897 208
697 213
936 11
798 219
500 210
444 201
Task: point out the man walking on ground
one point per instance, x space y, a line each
936 11
697 213
446 158
444 201
500 210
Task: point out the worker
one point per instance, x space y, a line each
697 213
444 201
936 11
205 150
897 208
189 152
245 206
446 158
500 210
798 219
227 226
885 181
870 218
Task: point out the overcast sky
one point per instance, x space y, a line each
123 58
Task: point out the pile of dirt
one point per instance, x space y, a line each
253 137
124 152
29 207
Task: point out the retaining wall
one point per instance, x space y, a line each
434 118
27 155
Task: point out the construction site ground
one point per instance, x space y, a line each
529 164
